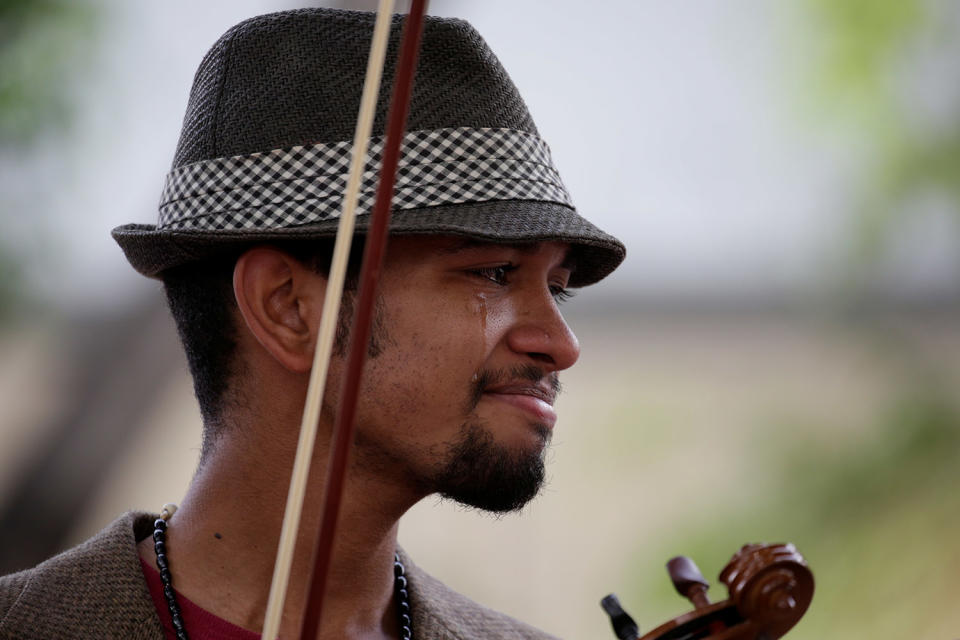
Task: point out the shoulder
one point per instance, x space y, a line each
440 613
96 589
11 587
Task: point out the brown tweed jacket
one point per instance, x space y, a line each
97 590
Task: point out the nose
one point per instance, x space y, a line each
541 333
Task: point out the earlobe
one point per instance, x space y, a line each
277 296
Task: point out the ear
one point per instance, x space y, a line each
280 300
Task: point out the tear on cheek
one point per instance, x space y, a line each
479 309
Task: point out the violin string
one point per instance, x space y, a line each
328 323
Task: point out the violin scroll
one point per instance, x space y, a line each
770 588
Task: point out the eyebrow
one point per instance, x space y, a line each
525 248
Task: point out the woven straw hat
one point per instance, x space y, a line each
266 140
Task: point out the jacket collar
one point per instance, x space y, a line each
97 590
94 590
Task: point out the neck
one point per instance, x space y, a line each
228 525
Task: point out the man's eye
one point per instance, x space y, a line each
560 294
496 274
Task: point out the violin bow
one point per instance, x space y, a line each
373 253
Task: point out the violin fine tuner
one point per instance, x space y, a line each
769 586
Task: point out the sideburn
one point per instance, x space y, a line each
379 335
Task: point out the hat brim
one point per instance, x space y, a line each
594 253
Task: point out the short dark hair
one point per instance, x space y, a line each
201 300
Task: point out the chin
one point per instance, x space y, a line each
485 473
520 440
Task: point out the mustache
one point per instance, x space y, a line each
483 379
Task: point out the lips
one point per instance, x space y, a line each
534 399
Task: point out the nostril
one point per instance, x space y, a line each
542 357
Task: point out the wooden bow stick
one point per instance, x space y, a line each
369 274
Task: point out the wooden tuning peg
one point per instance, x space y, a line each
688 581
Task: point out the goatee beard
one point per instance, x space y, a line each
480 473
483 474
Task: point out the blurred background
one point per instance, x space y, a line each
777 359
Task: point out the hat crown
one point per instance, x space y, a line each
266 145
295 78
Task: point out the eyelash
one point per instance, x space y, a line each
561 294
500 273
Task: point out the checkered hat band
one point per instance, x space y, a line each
300 185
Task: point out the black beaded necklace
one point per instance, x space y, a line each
159 545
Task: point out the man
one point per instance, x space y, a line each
456 396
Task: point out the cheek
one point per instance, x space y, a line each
417 394
498 317
430 354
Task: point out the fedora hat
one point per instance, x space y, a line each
265 147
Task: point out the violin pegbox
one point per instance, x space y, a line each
770 588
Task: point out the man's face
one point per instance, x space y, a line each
459 399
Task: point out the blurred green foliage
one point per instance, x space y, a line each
10 278
861 40
43 45
869 52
